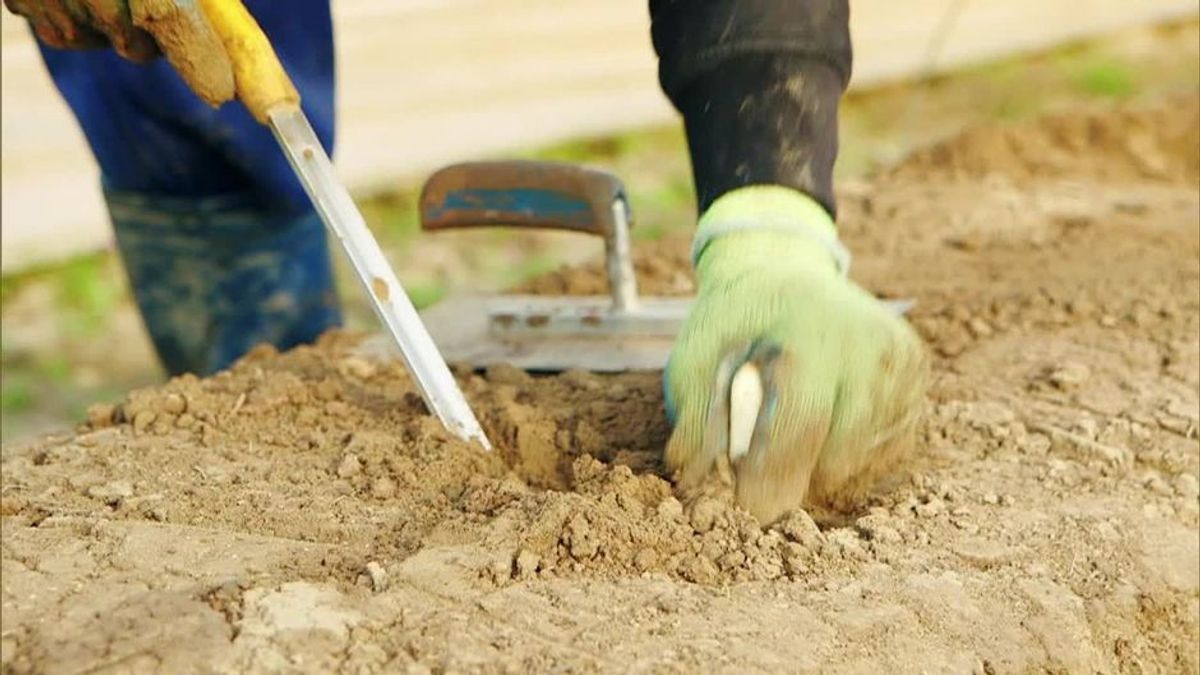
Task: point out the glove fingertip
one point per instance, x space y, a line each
683 455
189 43
213 83
139 48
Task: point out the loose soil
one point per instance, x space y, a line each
301 513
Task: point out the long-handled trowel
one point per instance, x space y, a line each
619 332
270 96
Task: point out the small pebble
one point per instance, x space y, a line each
356 367
506 374
155 512
350 466
100 415
1070 375
799 527
979 328
886 535
337 409
698 569
10 505
705 512
965 525
112 493
1034 444
731 560
670 509
1158 486
174 404
931 508
1186 485
142 420
383 488
328 390
377 576
525 564
845 542
1087 427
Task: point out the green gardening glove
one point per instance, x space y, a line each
139 30
842 375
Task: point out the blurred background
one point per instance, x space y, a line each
428 82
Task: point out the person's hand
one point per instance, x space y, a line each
139 30
843 376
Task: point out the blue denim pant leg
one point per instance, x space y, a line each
222 246
215 276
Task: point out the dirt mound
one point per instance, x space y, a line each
1135 143
300 512
663 268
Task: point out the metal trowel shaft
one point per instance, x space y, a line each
269 95
425 363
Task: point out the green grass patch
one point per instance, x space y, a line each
598 150
424 293
1107 79
530 268
16 393
89 289
392 216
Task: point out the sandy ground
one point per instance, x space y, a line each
300 514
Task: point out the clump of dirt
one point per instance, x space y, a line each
301 508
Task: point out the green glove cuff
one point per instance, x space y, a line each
770 208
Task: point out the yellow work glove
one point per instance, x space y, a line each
843 375
139 30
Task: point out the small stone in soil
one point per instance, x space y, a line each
112 493
525 564
100 415
799 527
142 420
705 512
670 509
1069 375
383 488
376 576
1186 485
645 559
174 404
356 367
931 508
350 466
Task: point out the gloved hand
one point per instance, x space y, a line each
139 30
844 376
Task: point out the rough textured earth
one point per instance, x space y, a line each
301 513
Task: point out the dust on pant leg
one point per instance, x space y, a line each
215 276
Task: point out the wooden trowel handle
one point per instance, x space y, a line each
520 193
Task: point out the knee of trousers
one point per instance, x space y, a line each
215 276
